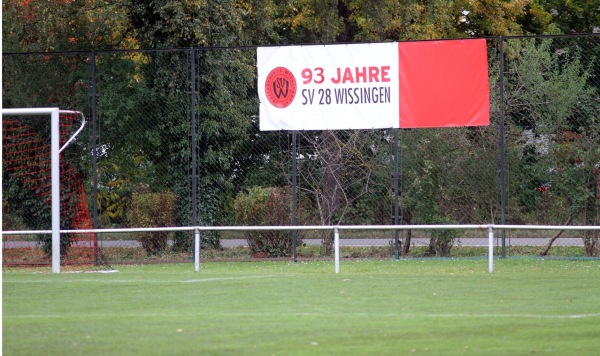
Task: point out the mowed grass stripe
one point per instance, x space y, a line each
383 307
147 281
353 315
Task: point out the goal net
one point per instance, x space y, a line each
27 193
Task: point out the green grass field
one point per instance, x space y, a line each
278 308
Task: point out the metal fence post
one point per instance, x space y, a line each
294 206
396 197
502 150
95 154
193 139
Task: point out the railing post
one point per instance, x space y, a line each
336 248
491 249
196 250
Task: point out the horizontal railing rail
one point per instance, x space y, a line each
336 228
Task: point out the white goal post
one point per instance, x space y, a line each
54 114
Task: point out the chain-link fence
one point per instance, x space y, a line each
173 140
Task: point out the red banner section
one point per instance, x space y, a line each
444 83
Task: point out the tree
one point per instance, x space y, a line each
145 97
225 103
61 25
557 16
386 20
327 177
339 168
266 207
56 79
554 117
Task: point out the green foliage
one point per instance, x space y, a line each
117 179
152 210
442 240
553 145
180 24
566 16
57 25
21 202
145 99
341 173
548 100
430 196
224 106
145 130
383 20
40 25
23 209
266 207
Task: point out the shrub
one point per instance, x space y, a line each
441 241
152 210
266 207
591 243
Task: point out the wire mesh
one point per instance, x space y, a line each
27 169
552 137
180 127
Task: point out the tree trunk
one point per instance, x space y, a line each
556 236
406 243
591 243
406 218
331 191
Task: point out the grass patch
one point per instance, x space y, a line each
279 307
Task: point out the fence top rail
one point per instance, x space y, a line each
211 48
308 227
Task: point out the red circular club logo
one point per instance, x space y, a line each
280 87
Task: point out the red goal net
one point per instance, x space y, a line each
26 196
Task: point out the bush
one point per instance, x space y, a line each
266 207
441 241
152 210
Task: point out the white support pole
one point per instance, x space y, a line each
336 248
55 172
196 250
491 249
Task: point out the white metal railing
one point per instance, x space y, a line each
336 229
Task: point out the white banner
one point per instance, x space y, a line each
329 87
